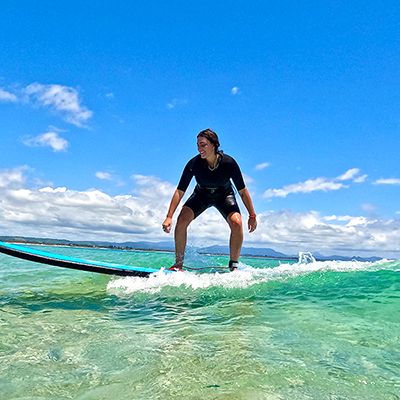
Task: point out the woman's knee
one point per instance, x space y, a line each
235 221
185 217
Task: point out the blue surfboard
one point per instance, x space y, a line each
58 260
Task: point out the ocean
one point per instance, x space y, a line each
272 330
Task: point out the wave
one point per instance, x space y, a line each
244 277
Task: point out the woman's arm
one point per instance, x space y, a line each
176 199
252 222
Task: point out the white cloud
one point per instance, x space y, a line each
7 97
153 189
48 139
235 90
91 214
387 181
318 184
310 185
105 176
261 166
333 235
61 212
110 177
63 99
10 178
360 179
349 174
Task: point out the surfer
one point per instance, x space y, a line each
213 171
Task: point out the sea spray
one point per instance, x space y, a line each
244 277
305 257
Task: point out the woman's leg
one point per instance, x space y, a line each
234 220
186 216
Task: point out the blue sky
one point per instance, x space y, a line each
100 104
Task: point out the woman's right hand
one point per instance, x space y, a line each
167 225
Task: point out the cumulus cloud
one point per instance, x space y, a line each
387 181
92 214
332 235
7 97
261 166
318 184
62 99
48 139
235 90
62 212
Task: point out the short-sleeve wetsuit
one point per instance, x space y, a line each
214 187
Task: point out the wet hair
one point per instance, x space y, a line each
212 137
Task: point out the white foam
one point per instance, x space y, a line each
245 276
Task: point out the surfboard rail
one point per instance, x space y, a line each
58 260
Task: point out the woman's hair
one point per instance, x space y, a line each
212 138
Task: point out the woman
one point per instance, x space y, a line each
213 171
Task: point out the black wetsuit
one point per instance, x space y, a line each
214 187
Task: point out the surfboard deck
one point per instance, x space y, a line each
58 260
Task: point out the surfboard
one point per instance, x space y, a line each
58 260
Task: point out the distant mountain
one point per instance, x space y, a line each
251 251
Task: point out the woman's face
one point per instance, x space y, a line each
205 147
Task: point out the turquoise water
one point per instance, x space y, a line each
325 330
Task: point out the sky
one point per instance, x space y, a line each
101 102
